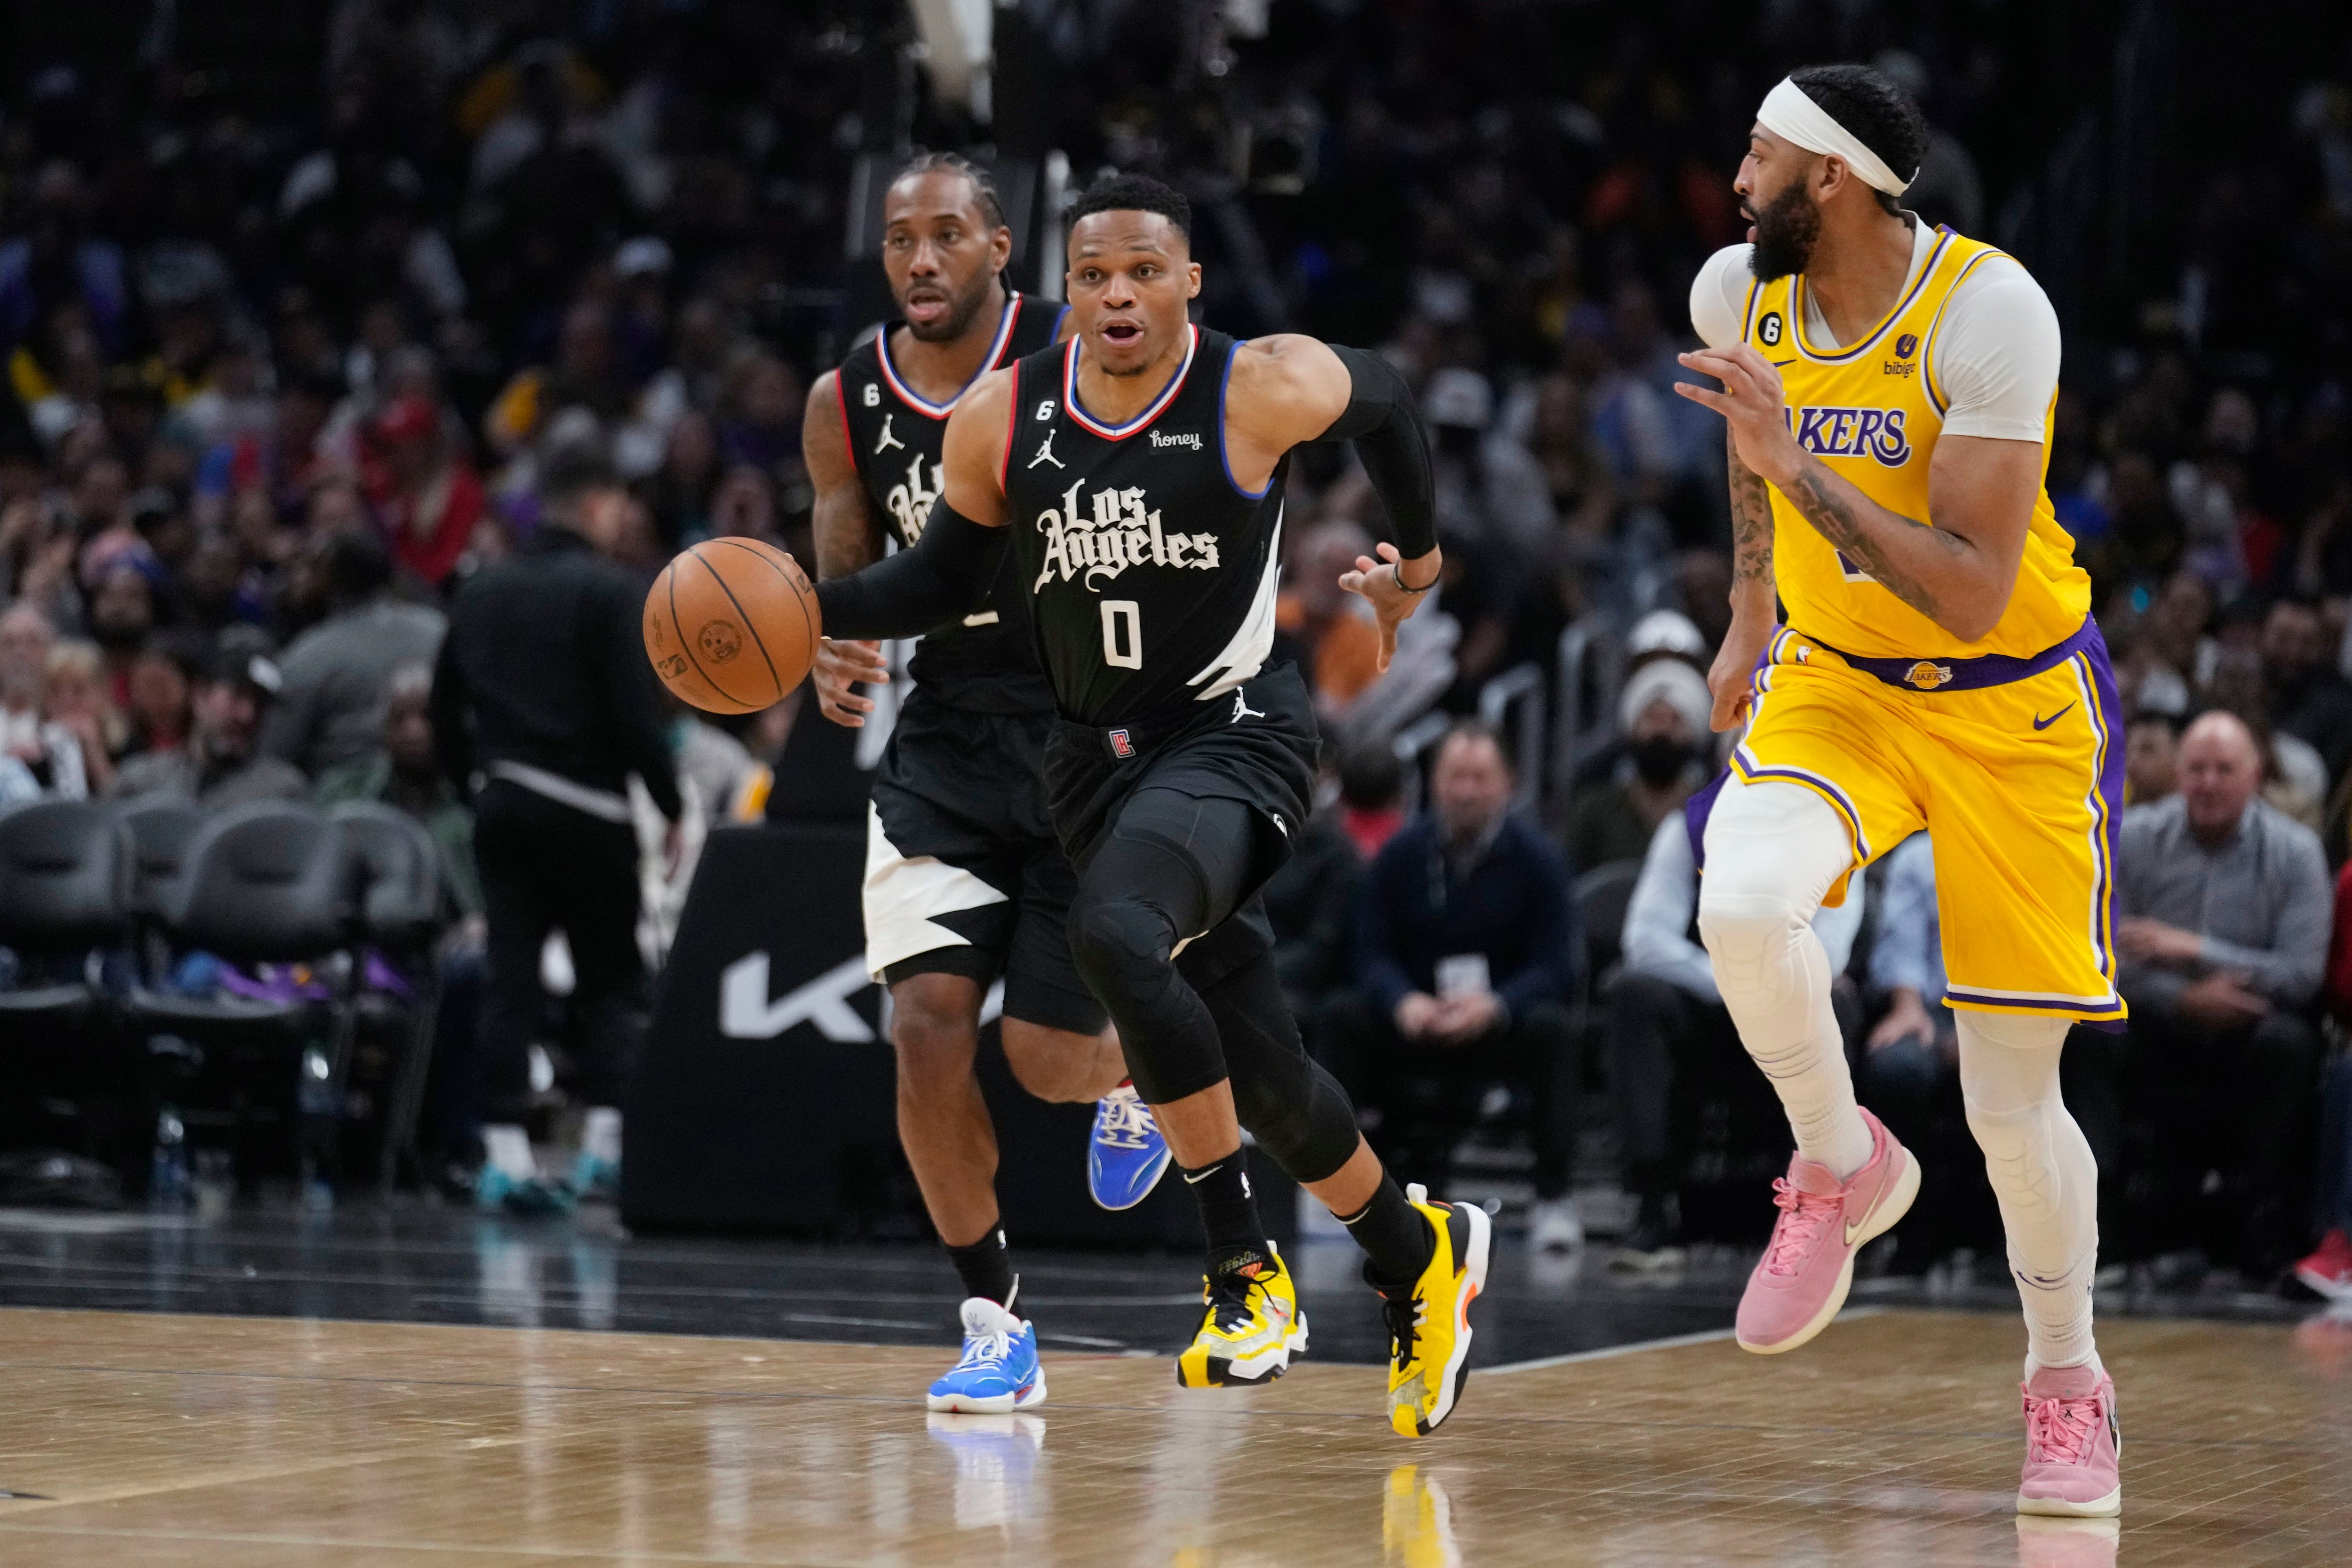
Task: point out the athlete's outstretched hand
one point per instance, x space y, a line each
840 667
1751 403
1391 602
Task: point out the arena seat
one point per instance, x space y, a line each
65 892
401 912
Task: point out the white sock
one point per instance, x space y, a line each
2042 1172
599 1134
507 1148
1772 851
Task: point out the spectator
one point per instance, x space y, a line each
332 709
48 752
1372 796
542 689
1663 712
2329 1269
425 493
121 615
1670 1038
2222 917
1909 1070
1338 648
2307 698
402 771
162 677
1467 953
220 766
74 699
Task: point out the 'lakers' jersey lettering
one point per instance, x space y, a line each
1873 410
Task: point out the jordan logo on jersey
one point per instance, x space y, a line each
886 441
910 498
1045 452
1117 532
1854 433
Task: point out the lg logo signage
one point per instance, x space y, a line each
746 1012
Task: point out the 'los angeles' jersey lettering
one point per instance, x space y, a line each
1096 545
1150 575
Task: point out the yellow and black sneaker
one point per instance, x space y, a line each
1429 1328
1252 1326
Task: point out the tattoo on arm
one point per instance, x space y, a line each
847 537
1751 526
1830 514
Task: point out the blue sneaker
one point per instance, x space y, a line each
1127 1156
494 1191
594 1179
999 1372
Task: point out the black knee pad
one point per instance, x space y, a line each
1122 944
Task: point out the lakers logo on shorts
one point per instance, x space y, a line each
1927 676
720 640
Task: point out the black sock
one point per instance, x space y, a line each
1394 1236
987 1268
1228 1212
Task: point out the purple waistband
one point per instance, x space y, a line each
1964 674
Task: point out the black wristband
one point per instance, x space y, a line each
1396 570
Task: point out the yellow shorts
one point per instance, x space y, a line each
2015 769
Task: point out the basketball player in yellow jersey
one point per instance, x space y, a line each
1887 388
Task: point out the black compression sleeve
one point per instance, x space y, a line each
947 574
1384 421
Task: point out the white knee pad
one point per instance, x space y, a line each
1772 851
2009 1083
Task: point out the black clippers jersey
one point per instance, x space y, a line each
986 661
1151 575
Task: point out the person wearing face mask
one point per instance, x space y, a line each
1663 712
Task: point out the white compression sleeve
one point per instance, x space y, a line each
1772 851
2042 1171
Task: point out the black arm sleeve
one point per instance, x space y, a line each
1385 423
947 574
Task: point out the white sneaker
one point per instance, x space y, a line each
1554 1226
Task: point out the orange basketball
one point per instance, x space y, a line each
731 625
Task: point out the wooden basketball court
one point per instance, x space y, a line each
169 1440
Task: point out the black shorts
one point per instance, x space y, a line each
963 873
1256 745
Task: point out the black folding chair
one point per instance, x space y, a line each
402 915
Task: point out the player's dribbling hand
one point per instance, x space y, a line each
1391 603
839 668
1751 403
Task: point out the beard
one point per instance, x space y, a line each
961 312
1786 228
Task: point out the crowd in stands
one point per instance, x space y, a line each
282 378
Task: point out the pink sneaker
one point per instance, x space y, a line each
1802 1280
2073 1446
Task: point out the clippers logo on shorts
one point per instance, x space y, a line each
1114 530
910 501
1927 676
1120 746
1854 433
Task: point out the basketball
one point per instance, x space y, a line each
731 625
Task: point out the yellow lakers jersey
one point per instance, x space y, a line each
1871 411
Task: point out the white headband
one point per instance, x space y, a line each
1791 116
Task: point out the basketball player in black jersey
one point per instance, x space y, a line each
965 881
1134 476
